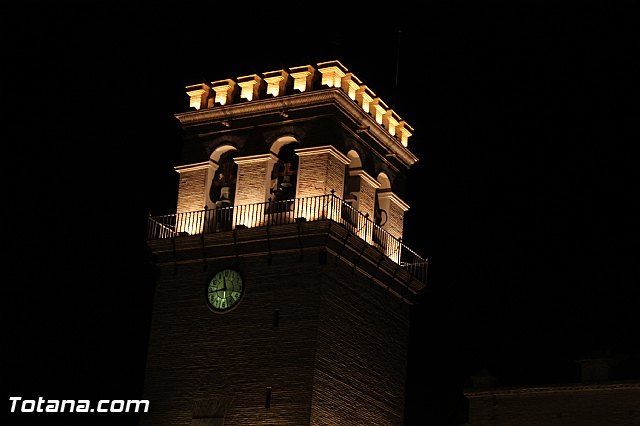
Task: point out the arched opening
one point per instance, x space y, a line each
355 163
223 185
277 145
222 188
384 181
284 174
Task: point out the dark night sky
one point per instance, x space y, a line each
523 198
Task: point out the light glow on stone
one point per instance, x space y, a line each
274 83
300 80
221 95
246 91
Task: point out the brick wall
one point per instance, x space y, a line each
252 180
360 367
395 209
197 354
191 189
395 221
337 355
320 170
366 199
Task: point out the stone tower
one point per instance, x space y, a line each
284 289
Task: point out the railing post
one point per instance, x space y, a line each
324 202
332 210
205 221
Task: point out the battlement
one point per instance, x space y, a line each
296 80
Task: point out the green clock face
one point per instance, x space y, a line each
225 290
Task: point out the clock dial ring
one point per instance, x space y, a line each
224 290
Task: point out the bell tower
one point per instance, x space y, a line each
284 290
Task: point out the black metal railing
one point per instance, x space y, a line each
270 213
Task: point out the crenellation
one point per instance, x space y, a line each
390 121
377 109
403 132
250 87
300 79
364 97
198 95
303 78
224 91
332 73
351 84
277 82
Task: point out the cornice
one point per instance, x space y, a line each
330 149
304 100
394 199
365 176
256 158
192 167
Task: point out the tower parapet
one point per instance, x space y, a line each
303 79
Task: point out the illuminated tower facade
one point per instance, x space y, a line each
284 289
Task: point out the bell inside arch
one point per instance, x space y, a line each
225 193
286 182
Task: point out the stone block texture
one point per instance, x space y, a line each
191 193
319 174
330 346
366 198
252 180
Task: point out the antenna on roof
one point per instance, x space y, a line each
398 58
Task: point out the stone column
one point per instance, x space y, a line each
252 188
321 170
191 197
395 209
366 196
